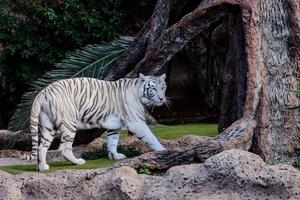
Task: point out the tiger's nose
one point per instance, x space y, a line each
161 99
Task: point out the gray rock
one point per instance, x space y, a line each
231 174
8 187
132 142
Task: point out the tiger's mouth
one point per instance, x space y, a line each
159 103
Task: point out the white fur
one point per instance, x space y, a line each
85 103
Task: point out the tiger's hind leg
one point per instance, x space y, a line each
68 132
47 135
112 144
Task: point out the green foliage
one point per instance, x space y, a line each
296 91
36 34
92 61
296 164
147 171
143 170
273 162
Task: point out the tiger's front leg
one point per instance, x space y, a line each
143 132
112 144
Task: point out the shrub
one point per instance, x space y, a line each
36 34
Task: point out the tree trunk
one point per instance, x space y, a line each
277 133
262 65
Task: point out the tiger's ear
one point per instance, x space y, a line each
142 76
162 77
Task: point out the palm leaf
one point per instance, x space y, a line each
91 61
294 108
295 91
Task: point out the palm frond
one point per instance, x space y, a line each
295 91
91 61
294 108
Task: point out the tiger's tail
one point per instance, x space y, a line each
34 127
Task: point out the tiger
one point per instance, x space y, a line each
67 105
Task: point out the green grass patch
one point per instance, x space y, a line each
177 131
93 161
90 164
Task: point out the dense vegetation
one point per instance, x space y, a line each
36 34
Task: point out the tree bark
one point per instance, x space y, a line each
234 74
145 41
277 134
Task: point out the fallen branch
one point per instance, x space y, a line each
237 136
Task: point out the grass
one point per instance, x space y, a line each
167 132
90 164
177 131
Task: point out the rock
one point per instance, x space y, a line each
11 153
121 183
231 174
14 161
236 174
8 187
96 144
134 144
184 141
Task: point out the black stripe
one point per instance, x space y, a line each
83 115
59 125
46 140
70 128
34 140
113 133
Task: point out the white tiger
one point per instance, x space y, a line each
84 103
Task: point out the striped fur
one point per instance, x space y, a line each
85 103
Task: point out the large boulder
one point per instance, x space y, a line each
231 174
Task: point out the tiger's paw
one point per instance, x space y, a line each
80 161
117 156
42 167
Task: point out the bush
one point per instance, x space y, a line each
36 34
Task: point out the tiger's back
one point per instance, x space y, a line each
88 101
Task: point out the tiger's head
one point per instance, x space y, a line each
153 90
